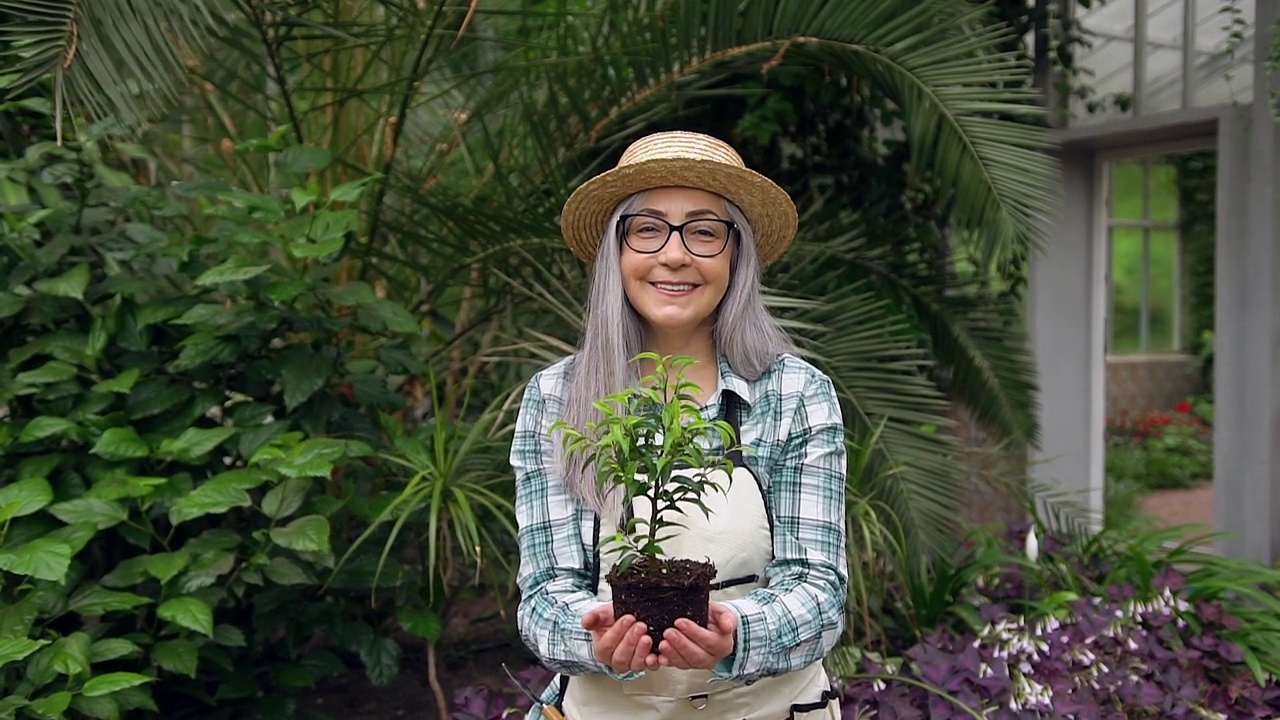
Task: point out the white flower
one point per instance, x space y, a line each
1033 545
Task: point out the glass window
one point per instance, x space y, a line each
1146 306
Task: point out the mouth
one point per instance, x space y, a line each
674 288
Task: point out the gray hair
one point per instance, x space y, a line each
744 332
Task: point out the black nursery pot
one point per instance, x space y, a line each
658 592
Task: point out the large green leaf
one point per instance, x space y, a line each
112 682
120 443
15 649
24 498
189 612
309 533
42 558
97 512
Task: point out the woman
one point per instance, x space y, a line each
677 234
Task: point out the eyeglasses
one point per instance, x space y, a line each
704 237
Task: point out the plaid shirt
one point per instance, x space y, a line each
793 425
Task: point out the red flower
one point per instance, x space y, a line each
1182 407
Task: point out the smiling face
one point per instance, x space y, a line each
675 291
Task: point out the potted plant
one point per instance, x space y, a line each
650 445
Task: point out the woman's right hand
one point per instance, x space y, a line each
622 643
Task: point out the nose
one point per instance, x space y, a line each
674 253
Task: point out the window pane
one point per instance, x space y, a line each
1126 191
1162 303
1164 192
1126 290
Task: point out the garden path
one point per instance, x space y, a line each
1190 506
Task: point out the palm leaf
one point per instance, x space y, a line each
971 122
117 60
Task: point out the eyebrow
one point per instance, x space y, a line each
700 212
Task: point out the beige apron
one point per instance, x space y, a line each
737 537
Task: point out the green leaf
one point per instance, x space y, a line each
176 656
103 707
205 314
96 600
229 635
381 657
71 654
303 159
10 305
194 443
392 316
118 487
351 190
309 533
108 649
97 341
283 571
351 293
206 569
51 706
210 498
165 566
70 284
46 426
97 512
24 497
230 271
54 371
42 558
121 383
301 196
120 443
320 248
189 612
286 498
302 373
111 682
15 649
421 622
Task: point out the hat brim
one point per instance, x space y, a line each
768 207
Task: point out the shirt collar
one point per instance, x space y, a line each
730 380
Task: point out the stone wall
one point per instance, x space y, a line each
1143 383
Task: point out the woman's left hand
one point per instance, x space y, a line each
688 646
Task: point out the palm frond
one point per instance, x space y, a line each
115 60
970 120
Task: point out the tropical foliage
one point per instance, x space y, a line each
350 210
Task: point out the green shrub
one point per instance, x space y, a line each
186 397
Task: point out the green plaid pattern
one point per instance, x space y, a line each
795 432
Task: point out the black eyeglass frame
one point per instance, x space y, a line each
679 229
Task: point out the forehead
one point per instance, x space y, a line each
679 201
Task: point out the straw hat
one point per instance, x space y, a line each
683 159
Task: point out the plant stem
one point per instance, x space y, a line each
433 679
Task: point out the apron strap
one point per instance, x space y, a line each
731 412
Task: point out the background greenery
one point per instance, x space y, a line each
276 271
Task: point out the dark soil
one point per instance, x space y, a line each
659 592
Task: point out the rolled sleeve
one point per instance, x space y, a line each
554 572
797 618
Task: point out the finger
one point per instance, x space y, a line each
725 618
599 617
607 643
624 653
693 653
670 654
706 638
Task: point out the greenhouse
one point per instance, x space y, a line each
1122 299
